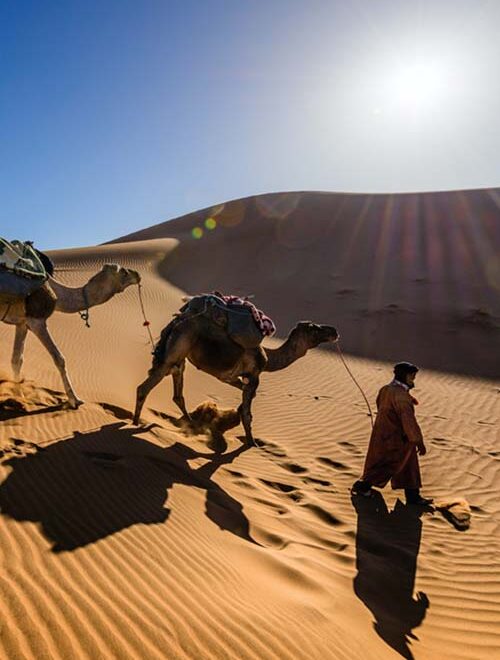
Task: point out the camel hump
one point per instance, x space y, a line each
237 315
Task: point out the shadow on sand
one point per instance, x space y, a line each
387 546
92 485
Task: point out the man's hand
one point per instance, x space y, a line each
421 450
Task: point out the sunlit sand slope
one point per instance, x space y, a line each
119 541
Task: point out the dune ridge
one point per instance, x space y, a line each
396 270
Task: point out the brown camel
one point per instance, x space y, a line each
205 343
32 313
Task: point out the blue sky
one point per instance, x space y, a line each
116 115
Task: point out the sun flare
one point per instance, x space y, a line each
417 86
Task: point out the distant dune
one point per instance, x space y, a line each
413 276
132 542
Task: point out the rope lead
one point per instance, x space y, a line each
356 382
146 323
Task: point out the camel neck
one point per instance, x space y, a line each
280 358
69 299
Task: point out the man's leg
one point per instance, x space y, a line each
361 487
413 497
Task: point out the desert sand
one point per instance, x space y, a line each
122 541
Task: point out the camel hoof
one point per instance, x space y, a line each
74 404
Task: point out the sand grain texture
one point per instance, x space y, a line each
119 541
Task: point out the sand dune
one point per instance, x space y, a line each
119 541
394 271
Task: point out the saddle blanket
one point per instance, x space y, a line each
264 323
21 271
20 258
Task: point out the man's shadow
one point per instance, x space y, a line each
91 485
387 546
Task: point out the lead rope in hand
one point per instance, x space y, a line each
146 323
355 381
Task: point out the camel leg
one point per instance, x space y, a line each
172 362
39 328
249 390
178 378
155 376
17 354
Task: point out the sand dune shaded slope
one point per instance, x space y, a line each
119 541
414 274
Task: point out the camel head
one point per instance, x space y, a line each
115 278
313 334
109 281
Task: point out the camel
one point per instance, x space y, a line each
203 340
32 313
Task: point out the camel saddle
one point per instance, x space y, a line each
21 270
229 312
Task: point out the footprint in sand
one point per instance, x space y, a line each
290 491
294 467
350 446
243 483
278 508
271 448
336 465
440 441
234 473
276 485
314 480
321 513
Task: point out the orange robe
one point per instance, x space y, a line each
392 452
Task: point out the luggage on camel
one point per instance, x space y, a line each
22 270
246 325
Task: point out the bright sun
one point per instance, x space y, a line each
414 89
417 86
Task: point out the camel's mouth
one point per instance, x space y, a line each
329 333
130 276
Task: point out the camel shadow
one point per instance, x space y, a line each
387 546
11 409
92 485
207 419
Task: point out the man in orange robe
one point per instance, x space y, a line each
396 440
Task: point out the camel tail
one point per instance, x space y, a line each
160 350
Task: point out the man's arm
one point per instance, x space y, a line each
410 424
